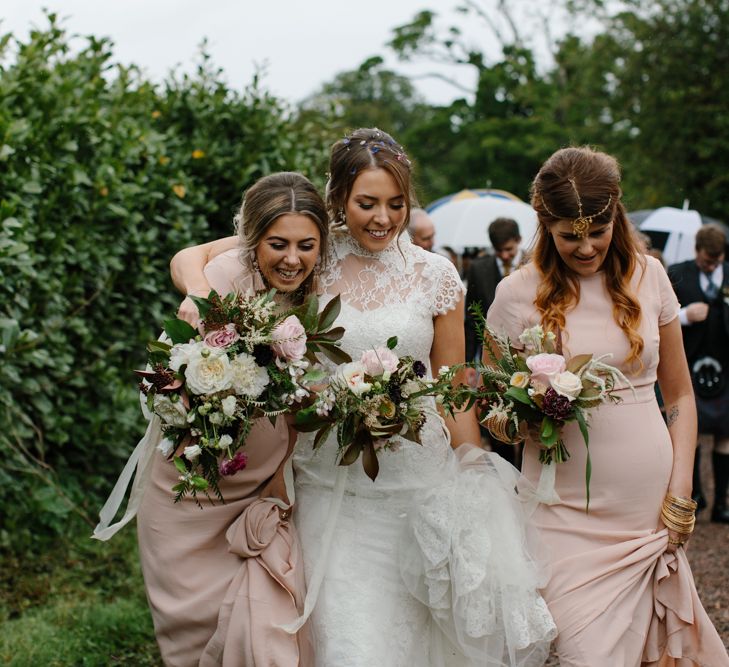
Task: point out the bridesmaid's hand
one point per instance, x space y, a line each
675 540
188 311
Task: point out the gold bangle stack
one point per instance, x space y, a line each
679 515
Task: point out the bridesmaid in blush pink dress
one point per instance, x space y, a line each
621 590
222 579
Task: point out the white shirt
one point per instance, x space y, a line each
514 263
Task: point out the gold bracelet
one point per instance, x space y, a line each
687 503
676 542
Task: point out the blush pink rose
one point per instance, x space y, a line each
379 361
224 337
544 366
289 339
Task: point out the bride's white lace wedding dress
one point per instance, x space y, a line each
426 566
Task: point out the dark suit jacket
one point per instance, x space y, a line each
685 281
483 276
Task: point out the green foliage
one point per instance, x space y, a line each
81 603
103 177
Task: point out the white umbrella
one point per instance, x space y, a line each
462 223
673 231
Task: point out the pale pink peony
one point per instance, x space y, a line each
289 339
224 337
544 366
379 361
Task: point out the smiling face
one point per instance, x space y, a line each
288 251
584 256
375 209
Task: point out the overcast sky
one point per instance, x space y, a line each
301 43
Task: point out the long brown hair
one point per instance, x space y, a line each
366 148
583 183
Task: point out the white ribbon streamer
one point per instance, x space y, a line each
141 460
312 593
546 492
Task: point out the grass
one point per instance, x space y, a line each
80 603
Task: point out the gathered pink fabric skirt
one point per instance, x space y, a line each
617 596
221 579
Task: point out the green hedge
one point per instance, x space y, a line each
103 176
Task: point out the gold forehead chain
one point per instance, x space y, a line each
580 224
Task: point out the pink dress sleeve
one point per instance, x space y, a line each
226 273
669 301
505 314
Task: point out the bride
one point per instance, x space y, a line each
426 565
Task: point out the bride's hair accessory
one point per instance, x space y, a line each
580 224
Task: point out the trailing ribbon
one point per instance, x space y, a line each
140 460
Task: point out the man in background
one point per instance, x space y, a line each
702 288
421 229
483 276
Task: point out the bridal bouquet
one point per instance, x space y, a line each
538 390
368 401
253 361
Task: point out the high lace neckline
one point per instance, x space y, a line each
343 239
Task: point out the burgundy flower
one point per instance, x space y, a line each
419 368
232 466
556 406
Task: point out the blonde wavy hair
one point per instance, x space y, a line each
574 182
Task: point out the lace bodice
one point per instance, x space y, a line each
396 292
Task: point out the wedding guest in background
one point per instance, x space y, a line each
702 288
421 229
621 589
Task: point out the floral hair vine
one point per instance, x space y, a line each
377 143
580 224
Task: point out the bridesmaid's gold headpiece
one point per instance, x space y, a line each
580 224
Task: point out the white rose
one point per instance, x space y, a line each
182 353
567 384
520 379
170 413
225 441
209 374
352 374
192 452
228 404
165 446
248 378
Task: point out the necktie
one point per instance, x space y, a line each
711 291
507 267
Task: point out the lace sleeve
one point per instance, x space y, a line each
449 289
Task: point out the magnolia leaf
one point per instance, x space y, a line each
327 336
369 461
577 362
322 435
350 454
392 343
307 420
159 346
329 313
179 331
335 353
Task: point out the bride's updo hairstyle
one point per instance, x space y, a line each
267 200
583 186
366 148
